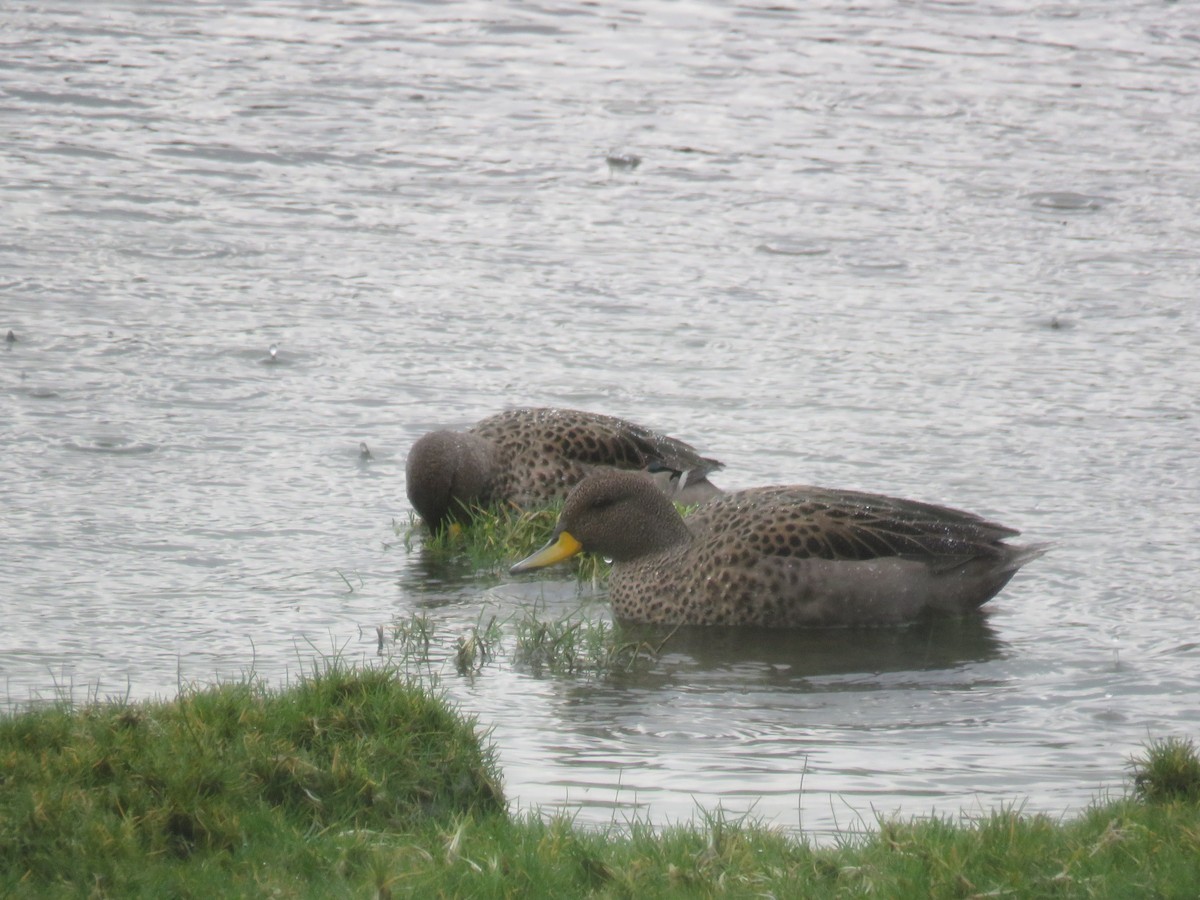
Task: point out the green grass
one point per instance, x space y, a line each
569 644
359 784
575 646
1168 771
129 797
494 539
476 648
1120 850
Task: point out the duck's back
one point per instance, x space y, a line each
803 521
801 556
542 453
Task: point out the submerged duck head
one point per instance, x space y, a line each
529 457
447 473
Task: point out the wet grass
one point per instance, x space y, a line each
494 539
529 640
574 646
477 647
355 783
1168 771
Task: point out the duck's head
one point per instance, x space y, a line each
620 515
447 472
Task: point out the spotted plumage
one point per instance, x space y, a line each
531 457
787 556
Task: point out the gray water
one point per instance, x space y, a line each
942 250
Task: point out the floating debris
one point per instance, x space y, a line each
1068 201
622 162
1058 323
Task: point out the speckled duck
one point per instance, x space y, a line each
531 457
788 556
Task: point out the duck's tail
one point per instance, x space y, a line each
1020 555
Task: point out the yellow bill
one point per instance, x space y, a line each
561 547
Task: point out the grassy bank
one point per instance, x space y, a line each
360 784
233 789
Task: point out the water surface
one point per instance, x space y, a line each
945 250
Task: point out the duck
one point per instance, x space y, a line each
782 556
530 457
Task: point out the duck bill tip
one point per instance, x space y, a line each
561 547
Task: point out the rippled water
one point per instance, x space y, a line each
942 250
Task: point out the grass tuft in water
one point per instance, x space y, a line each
566 645
414 637
573 646
477 647
497 538
1167 772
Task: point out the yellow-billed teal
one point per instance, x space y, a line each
531 457
785 556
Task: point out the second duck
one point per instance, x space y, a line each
789 556
534 456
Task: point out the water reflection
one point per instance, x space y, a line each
435 579
111 444
1068 201
811 653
